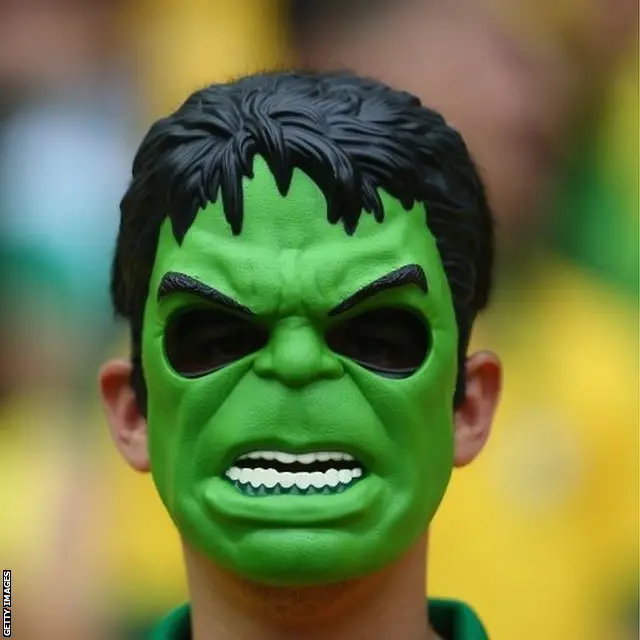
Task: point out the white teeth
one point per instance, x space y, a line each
286 479
270 478
304 458
332 477
286 458
317 479
256 478
261 474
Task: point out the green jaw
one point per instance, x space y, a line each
297 434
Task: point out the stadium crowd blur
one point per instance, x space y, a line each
541 534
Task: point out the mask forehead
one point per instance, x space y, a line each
289 255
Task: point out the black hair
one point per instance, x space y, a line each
350 135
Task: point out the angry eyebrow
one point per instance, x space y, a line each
409 274
174 282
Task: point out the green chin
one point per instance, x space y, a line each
305 557
304 540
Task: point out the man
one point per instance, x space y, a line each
301 258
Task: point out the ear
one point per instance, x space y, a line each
474 416
128 426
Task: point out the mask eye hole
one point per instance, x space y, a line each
199 341
389 342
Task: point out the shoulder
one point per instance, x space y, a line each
175 626
455 620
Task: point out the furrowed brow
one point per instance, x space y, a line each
174 282
410 274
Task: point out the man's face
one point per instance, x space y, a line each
299 434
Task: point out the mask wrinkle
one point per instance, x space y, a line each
290 303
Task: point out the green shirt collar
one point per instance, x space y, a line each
451 619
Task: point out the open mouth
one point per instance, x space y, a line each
263 473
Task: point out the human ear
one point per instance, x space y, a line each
474 415
127 425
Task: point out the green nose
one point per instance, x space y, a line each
297 355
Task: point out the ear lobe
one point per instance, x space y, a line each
128 427
474 417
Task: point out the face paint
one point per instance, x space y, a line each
300 421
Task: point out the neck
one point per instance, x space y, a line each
387 604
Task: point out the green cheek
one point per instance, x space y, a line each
418 417
183 429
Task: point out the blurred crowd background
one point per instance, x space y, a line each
541 534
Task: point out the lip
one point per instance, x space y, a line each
282 511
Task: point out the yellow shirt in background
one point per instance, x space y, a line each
146 574
540 534
189 44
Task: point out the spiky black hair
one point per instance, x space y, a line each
351 135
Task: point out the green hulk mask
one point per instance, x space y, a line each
267 345
300 259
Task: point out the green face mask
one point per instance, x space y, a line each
300 385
